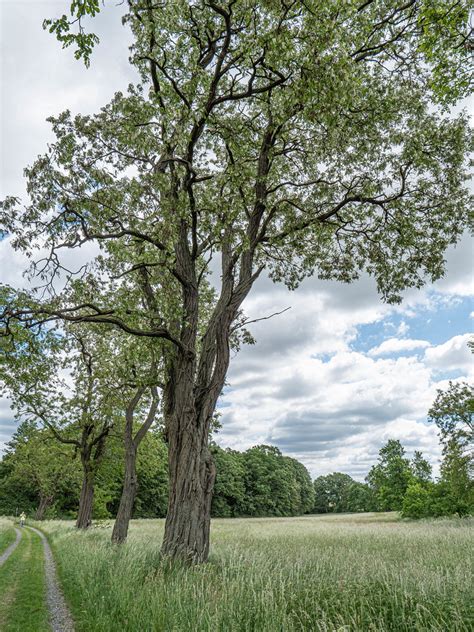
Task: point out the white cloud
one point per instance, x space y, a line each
452 355
396 345
333 415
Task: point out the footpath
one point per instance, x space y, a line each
31 599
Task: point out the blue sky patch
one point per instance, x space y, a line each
435 323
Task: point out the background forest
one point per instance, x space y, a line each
43 477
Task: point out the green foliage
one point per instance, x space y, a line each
273 484
421 468
302 139
340 493
37 468
83 41
453 412
436 500
456 474
417 501
229 489
260 482
390 477
152 473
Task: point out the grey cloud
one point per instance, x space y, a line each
293 387
43 80
313 431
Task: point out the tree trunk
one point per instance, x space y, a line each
131 444
84 516
127 500
44 503
192 475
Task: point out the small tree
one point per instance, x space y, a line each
132 437
417 501
390 477
60 381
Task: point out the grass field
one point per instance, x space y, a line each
369 572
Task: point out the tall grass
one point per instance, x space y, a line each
366 572
7 533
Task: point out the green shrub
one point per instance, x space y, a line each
417 501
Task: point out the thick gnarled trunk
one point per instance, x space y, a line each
194 383
127 500
192 475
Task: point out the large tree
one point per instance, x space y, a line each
291 138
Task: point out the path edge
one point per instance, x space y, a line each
60 616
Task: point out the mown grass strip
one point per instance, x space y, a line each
7 537
23 588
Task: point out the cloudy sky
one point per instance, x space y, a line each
331 379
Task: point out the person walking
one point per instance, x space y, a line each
22 519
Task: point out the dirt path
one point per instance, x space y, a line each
9 550
60 617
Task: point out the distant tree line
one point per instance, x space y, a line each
43 476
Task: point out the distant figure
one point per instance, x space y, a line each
22 519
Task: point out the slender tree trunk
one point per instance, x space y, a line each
92 453
131 444
127 500
192 475
44 503
86 499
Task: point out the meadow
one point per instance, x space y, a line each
367 572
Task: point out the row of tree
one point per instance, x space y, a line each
41 474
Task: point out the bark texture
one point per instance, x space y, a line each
192 475
131 444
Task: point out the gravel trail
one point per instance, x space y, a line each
59 615
9 550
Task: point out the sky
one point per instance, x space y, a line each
330 380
